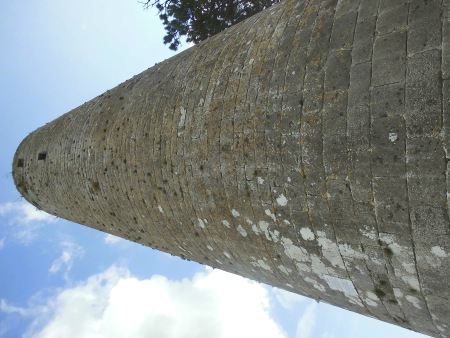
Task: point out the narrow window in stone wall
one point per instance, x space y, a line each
42 155
20 163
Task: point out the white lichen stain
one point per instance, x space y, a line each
412 281
181 122
289 179
371 302
201 223
261 264
414 301
307 234
439 252
264 226
269 213
347 251
318 267
373 299
409 267
286 222
433 261
289 285
330 250
390 241
227 254
255 229
275 235
241 230
340 284
284 270
160 209
406 270
440 328
219 262
393 137
369 233
235 213
210 247
260 180
303 267
282 200
315 284
226 223
270 235
398 293
297 254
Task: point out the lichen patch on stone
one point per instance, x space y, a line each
201 223
235 213
282 200
439 252
241 230
307 234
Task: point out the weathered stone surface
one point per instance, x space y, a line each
306 148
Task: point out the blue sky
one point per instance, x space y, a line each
60 279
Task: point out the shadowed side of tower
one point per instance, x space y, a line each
304 148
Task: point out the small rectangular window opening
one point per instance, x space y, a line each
20 163
42 155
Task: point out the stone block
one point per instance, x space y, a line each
335 156
423 83
367 9
446 49
393 18
391 204
424 35
422 10
343 31
388 147
389 56
337 70
358 92
340 199
428 223
334 113
425 157
387 100
427 190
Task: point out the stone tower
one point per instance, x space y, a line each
306 148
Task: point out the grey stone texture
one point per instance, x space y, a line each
306 148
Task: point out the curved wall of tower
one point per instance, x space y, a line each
305 148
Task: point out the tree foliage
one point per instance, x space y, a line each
200 19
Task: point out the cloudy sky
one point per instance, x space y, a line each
59 279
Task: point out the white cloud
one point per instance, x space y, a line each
287 299
327 334
70 251
2 243
111 239
115 304
307 322
25 218
25 212
7 308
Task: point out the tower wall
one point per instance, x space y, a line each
304 148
